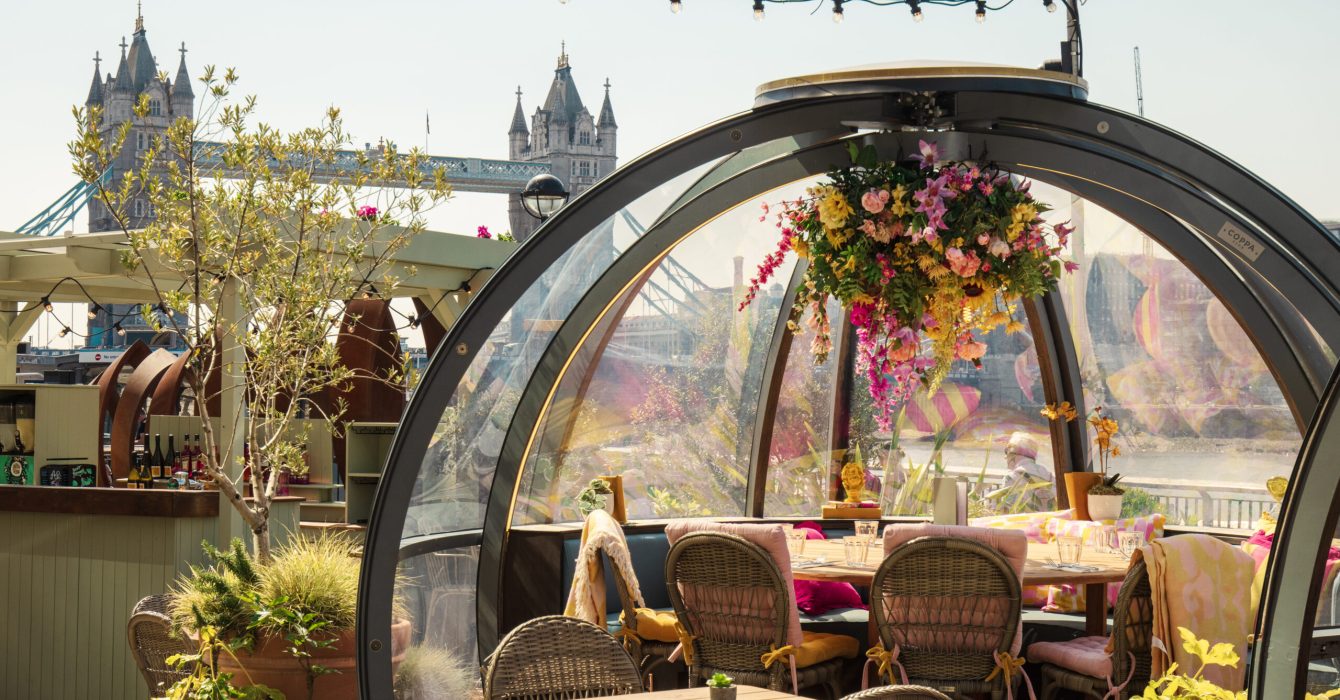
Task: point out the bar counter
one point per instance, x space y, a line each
164 503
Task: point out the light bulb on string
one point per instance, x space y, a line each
758 10
675 6
93 311
916 11
64 331
46 304
121 332
838 14
981 11
1050 5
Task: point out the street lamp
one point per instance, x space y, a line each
543 196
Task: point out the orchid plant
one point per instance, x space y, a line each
923 259
1104 430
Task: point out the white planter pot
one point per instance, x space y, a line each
1104 507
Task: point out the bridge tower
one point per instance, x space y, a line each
115 95
580 147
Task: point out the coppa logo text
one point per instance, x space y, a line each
1241 241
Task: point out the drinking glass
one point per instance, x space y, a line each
1106 540
795 542
1130 540
1069 548
867 529
854 549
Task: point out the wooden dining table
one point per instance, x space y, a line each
1037 572
742 692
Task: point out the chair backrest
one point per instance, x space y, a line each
949 604
771 538
730 597
149 633
903 692
556 657
1133 627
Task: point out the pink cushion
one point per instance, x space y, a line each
1086 655
770 538
818 597
1012 544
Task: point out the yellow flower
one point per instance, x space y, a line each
1014 327
851 264
898 201
834 208
836 236
801 247
1063 410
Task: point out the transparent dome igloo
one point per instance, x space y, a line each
1204 311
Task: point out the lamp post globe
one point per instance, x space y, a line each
543 196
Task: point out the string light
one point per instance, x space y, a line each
64 331
46 304
916 10
676 6
1050 5
838 14
758 10
119 330
981 11
93 310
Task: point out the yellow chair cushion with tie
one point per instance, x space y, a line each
655 625
819 647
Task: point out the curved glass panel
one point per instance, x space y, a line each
984 425
798 470
664 390
453 483
1203 422
436 592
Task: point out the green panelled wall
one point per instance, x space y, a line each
67 585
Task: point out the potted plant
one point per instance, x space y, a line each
593 496
1175 683
1094 495
284 626
721 687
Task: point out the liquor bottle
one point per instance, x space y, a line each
157 461
198 458
18 443
144 456
173 459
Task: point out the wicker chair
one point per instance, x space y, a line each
555 658
151 643
947 606
903 692
648 653
1132 635
733 602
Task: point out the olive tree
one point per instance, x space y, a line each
259 240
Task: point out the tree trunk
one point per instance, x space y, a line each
260 535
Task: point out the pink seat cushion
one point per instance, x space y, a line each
770 538
1086 655
818 597
1012 544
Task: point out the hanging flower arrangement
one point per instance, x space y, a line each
923 258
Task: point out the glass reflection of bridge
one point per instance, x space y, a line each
464 175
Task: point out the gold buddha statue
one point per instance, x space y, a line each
853 481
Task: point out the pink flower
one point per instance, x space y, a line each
983 239
999 248
963 265
367 213
930 154
860 315
1071 266
969 349
483 232
986 189
871 201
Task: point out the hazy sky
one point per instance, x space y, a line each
1254 80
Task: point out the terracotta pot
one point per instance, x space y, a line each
1077 486
1104 507
269 664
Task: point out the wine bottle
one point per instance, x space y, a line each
144 457
173 459
198 458
18 442
156 462
133 476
